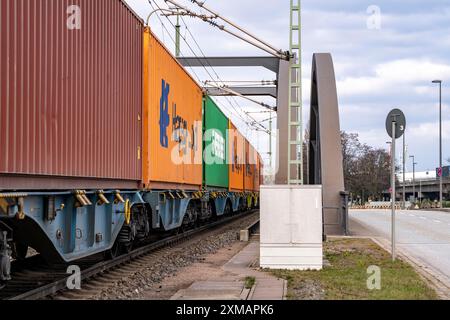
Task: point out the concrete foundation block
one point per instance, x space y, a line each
291 227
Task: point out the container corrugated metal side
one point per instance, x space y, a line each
236 143
257 176
215 155
172 121
70 94
261 172
250 167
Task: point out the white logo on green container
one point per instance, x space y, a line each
218 145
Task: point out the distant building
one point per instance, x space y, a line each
420 176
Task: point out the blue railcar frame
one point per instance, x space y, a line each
76 231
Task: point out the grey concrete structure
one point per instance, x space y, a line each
245 91
325 149
269 63
281 177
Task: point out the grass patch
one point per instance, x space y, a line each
249 282
346 277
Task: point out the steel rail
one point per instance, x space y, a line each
61 284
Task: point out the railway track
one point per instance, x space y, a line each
33 279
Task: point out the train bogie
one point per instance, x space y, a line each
67 226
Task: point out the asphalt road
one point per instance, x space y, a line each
425 235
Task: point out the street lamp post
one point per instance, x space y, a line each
389 143
414 178
440 139
404 166
420 191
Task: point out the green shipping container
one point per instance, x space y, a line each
215 126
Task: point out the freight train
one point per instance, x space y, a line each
105 139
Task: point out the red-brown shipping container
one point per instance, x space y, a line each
70 94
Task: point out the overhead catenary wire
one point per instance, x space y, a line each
216 74
255 41
227 89
251 122
201 4
173 40
263 82
184 39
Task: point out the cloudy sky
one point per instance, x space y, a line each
380 63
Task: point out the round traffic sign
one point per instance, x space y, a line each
398 117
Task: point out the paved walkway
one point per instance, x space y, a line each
231 286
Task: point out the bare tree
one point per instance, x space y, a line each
366 169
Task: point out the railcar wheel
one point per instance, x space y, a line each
114 252
126 247
126 239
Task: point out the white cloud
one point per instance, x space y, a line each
412 71
394 76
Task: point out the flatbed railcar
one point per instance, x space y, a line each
101 135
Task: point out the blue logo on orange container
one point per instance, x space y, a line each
164 119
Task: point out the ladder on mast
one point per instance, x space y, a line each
295 135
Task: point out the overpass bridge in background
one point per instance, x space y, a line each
424 189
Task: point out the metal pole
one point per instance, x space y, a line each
270 142
420 191
440 144
393 189
177 37
414 177
414 180
404 168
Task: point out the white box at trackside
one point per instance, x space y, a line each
291 227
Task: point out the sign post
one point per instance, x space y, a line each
395 127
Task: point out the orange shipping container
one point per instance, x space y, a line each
237 158
172 121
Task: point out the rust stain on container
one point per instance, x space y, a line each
172 121
237 158
70 93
